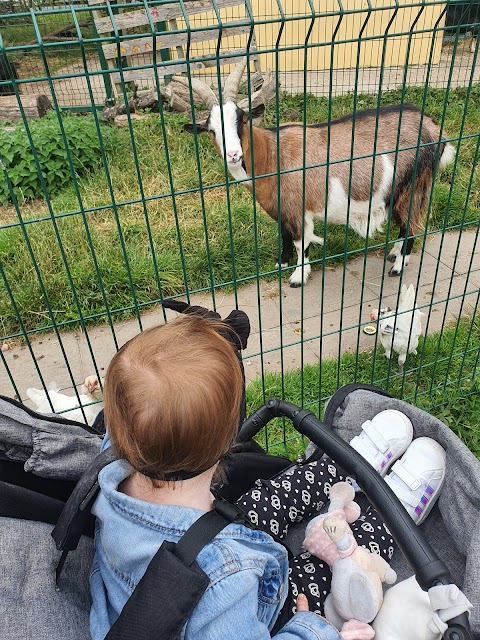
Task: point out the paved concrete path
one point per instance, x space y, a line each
279 313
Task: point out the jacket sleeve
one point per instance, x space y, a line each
230 609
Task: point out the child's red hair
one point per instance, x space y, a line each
172 398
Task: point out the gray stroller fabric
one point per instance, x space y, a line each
31 607
49 446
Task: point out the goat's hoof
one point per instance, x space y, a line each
284 265
393 272
391 257
300 276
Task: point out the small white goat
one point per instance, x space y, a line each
400 330
367 211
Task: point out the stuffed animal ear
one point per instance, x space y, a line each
341 494
352 512
341 497
184 307
237 321
240 323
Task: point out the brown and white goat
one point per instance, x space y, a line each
350 200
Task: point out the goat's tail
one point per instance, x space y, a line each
447 157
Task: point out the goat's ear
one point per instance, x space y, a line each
257 112
198 127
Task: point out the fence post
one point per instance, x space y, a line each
110 99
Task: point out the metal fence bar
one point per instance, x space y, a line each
327 191
173 197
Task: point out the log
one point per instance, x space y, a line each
110 113
33 106
178 98
147 100
264 95
137 102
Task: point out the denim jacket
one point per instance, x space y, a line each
248 571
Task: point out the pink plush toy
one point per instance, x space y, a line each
357 574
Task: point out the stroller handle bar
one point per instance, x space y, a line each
429 570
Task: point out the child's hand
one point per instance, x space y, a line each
302 603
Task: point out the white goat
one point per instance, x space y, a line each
355 204
68 406
400 330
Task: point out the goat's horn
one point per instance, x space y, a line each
230 87
200 89
264 95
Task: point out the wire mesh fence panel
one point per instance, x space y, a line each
19 23
357 129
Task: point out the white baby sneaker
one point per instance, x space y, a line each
384 439
418 477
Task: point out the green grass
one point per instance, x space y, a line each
455 403
104 222
447 399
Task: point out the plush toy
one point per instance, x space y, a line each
409 612
357 574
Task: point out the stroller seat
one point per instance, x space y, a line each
32 607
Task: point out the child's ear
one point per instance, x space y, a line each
198 127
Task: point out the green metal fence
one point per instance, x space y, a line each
99 223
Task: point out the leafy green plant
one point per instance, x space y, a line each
16 152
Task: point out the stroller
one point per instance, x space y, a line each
44 457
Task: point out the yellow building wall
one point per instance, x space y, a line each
410 29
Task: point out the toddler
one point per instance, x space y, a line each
173 398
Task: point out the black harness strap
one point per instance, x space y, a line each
338 398
206 528
24 504
76 514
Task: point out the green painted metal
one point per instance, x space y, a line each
109 93
179 225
